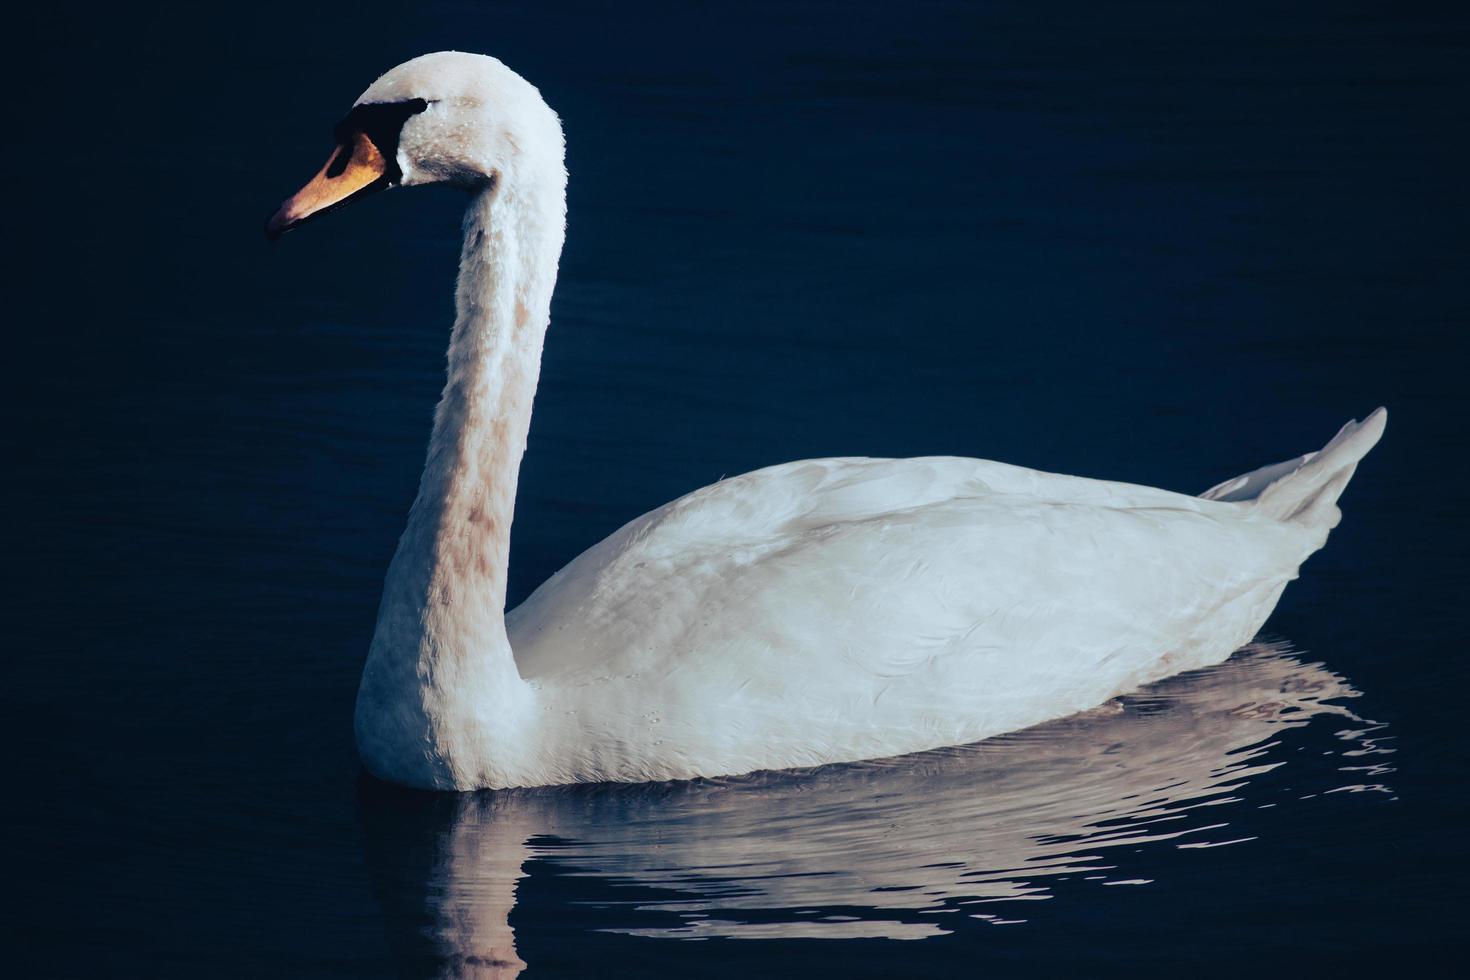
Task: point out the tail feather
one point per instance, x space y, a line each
1305 489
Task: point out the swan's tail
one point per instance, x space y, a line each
1305 489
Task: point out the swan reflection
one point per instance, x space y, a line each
896 846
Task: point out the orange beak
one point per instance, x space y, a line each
355 170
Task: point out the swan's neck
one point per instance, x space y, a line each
441 701
467 494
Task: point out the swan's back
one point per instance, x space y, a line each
835 609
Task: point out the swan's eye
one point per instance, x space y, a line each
381 122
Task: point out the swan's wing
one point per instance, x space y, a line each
879 564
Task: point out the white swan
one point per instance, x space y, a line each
821 611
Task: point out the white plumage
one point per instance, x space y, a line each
814 612
843 609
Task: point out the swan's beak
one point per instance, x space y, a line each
355 170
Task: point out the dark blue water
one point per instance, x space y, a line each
1163 243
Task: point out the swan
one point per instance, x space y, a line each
815 612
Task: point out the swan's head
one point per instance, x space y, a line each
444 118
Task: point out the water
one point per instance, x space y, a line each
1163 243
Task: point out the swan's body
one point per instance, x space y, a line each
815 612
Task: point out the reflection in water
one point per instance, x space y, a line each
883 849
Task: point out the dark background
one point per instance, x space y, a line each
1156 242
